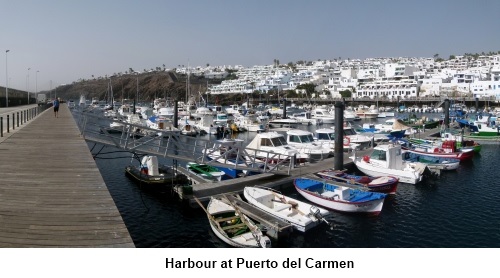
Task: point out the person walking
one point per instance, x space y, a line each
56 107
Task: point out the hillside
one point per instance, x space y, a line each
149 85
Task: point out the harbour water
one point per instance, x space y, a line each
459 209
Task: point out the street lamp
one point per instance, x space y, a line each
28 86
36 84
6 81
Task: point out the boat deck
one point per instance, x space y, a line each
52 193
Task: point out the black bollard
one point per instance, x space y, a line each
284 108
8 124
1 126
477 105
447 113
339 136
176 115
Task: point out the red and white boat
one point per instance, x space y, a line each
446 150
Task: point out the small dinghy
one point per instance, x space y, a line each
340 198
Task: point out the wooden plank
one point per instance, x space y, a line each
52 193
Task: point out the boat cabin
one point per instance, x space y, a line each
388 156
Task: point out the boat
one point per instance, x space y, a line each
205 171
301 215
291 123
323 115
234 227
273 148
446 149
432 162
340 198
461 141
387 160
384 184
230 153
150 173
304 142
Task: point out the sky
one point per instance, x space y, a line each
54 42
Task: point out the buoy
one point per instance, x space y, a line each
347 141
366 158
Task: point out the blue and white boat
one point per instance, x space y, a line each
340 198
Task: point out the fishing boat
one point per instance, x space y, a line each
233 227
447 149
384 184
301 215
386 160
150 173
432 162
205 171
340 198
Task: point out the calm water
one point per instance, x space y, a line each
459 209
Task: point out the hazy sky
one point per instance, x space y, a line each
66 40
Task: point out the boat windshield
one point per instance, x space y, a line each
349 132
278 141
326 136
306 138
378 154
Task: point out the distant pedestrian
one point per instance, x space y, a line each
56 107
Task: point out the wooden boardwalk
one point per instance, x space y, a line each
51 191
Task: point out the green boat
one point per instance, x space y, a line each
205 171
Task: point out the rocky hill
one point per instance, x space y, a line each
148 85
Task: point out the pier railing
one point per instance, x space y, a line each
95 127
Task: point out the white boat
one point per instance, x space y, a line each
305 118
230 152
367 114
292 123
249 122
387 160
304 142
350 115
234 228
322 114
326 136
340 198
273 148
301 215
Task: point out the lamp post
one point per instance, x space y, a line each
6 81
36 84
28 86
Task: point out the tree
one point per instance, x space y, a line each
452 57
309 87
130 70
346 93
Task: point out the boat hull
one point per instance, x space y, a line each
374 171
167 176
293 211
338 198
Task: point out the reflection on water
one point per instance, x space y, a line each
460 209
